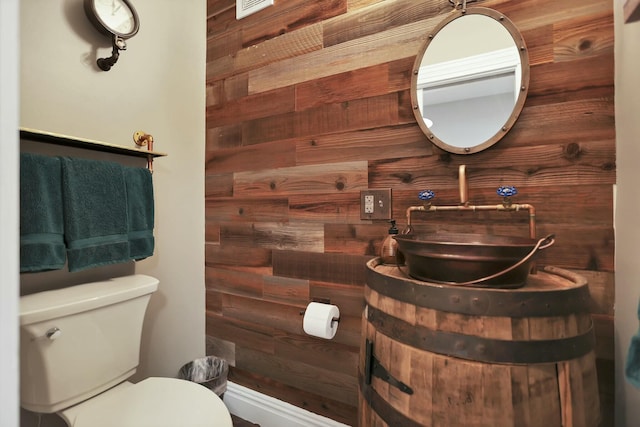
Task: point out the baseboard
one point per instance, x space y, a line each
271 412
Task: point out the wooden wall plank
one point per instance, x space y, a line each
293 15
527 14
379 17
214 93
570 121
368 144
243 283
292 236
264 104
325 380
349 298
290 45
236 86
354 238
398 43
221 16
274 317
236 209
337 177
218 255
353 5
341 207
586 37
211 231
400 74
219 185
362 83
241 333
519 166
213 302
286 290
273 155
310 401
573 75
214 7
224 136
317 352
358 114
340 117
338 268
223 45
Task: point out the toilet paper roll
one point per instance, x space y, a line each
318 320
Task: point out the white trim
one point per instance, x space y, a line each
9 214
497 62
267 411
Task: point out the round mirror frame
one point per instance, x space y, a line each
524 84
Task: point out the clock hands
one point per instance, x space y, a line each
114 9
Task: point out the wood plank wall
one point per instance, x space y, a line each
308 103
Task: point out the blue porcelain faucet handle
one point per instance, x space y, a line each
507 191
426 195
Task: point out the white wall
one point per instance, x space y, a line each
158 86
9 213
627 39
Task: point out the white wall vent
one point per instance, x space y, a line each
247 7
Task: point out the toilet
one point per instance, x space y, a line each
78 347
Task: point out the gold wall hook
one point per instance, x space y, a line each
144 139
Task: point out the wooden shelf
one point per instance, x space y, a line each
71 141
631 11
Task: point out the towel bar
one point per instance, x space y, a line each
89 144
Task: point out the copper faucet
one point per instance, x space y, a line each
464 205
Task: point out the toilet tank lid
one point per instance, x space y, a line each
75 299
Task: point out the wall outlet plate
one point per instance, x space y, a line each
375 204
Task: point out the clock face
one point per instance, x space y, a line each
117 16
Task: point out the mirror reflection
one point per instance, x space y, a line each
470 81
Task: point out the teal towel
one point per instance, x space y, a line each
95 213
140 211
632 365
41 225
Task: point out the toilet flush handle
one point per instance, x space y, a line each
53 333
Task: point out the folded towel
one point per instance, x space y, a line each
41 225
141 212
95 213
632 365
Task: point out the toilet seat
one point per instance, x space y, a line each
153 402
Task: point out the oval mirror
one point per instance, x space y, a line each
470 80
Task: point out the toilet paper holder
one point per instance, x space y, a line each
322 301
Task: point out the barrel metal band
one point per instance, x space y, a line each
384 410
481 301
479 348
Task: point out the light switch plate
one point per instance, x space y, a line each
375 204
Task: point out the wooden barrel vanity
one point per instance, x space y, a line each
445 355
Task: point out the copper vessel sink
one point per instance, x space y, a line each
470 259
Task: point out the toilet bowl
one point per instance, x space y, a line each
78 347
153 402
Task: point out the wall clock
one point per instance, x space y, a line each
115 18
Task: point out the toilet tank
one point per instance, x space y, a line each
79 341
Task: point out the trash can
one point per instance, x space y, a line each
209 371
